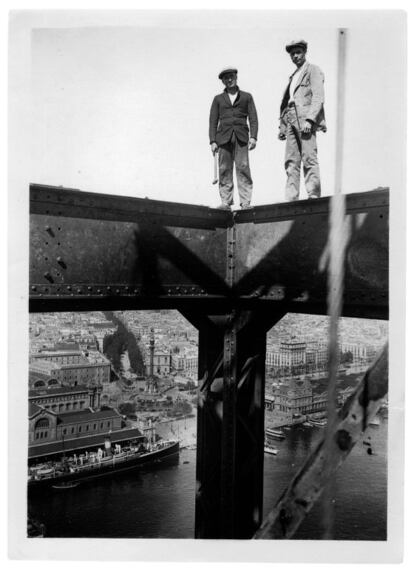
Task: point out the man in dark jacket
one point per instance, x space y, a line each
229 137
301 116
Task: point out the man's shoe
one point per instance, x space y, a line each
224 207
245 206
313 196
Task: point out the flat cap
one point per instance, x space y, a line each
295 44
227 70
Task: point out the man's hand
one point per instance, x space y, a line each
281 136
252 143
307 127
214 148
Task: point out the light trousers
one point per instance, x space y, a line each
301 149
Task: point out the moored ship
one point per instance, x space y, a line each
319 422
270 449
275 433
94 465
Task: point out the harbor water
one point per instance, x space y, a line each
158 501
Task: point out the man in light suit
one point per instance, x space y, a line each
301 116
230 138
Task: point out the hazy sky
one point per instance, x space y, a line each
121 105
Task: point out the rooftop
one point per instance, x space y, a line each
80 443
33 393
87 414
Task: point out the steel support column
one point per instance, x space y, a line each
232 352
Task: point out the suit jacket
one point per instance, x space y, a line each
308 97
226 118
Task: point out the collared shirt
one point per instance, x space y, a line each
296 78
232 96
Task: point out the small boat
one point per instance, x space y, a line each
65 485
318 421
269 449
275 433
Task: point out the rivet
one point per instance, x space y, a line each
79 290
108 288
61 262
33 288
89 288
69 288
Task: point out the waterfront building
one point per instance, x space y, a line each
52 434
67 418
293 399
48 426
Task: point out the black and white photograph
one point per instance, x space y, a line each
206 324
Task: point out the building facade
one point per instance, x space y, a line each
46 426
73 369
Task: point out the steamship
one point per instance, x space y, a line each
91 465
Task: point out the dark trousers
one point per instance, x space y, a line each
235 154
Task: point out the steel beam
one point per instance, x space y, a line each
92 251
281 253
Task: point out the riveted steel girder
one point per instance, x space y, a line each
93 251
